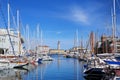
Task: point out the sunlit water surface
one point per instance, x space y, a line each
60 69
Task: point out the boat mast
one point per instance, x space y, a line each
81 49
41 41
28 38
8 17
37 38
77 39
114 27
8 28
19 37
92 42
74 41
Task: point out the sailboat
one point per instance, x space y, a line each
82 53
12 49
94 69
37 58
41 54
110 66
113 62
74 53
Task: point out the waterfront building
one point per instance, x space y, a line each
78 49
43 49
10 42
106 45
56 51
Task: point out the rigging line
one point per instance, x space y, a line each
13 18
22 27
5 23
1 20
14 22
87 45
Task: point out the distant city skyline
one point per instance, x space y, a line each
59 19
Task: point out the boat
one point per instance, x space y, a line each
113 59
45 57
41 53
93 70
116 78
13 63
11 46
38 60
95 74
117 56
82 57
69 55
112 62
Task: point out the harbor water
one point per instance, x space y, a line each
60 68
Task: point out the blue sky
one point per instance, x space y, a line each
59 19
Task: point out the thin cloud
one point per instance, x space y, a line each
76 14
79 15
58 32
82 15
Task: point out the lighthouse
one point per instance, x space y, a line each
58 45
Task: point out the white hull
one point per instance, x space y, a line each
6 64
47 58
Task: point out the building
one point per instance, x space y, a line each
78 49
56 51
106 45
43 49
10 42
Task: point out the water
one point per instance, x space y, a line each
59 69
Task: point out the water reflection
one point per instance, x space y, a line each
11 74
59 69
